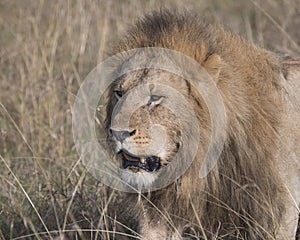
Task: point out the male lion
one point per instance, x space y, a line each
253 190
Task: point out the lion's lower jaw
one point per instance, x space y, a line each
140 180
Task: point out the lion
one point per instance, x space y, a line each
252 192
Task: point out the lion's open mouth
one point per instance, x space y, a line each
147 163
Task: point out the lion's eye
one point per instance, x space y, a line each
118 93
154 99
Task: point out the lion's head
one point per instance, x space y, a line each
155 115
153 134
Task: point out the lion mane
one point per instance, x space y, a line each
245 195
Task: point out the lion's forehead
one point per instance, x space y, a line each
154 78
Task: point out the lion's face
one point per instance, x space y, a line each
144 133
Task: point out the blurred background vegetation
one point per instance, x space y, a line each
46 50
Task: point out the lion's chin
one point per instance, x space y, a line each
140 180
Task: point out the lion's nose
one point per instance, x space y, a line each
121 135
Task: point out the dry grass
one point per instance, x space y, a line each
47 49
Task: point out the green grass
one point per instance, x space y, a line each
46 50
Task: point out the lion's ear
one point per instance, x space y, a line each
291 69
213 65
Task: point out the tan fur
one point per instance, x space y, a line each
254 189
